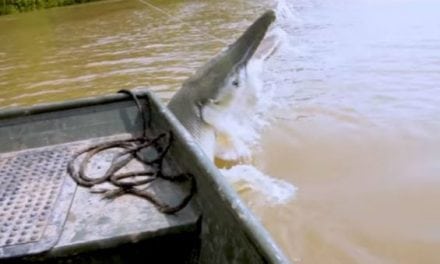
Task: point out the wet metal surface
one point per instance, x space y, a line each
35 194
95 222
41 208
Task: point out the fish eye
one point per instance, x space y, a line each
235 83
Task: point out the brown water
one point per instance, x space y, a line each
358 133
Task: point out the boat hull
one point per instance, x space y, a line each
216 227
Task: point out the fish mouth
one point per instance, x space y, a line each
199 107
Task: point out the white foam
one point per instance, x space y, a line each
239 129
268 188
285 13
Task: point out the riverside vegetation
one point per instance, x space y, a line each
17 6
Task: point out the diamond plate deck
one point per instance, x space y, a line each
35 194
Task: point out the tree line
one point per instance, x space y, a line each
16 6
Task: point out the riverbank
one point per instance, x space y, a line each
19 6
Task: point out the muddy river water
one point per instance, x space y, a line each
355 84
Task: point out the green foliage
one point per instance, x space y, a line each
14 6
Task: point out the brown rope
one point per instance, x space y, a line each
131 150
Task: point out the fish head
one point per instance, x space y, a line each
216 88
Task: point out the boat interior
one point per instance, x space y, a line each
46 217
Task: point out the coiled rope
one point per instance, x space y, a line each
131 149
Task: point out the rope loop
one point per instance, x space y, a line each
132 149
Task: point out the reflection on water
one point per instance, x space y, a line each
358 133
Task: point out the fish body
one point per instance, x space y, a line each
221 88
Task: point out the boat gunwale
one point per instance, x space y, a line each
7 113
251 226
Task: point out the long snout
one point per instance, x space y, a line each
244 47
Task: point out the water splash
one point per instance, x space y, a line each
239 132
285 12
267 188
